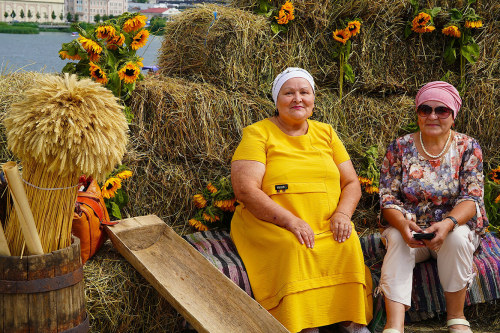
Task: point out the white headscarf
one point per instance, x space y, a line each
288 74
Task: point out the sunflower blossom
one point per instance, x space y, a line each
114 42
98 74
65 55
110 187
342 35
93 49
371 189
354 27
285 14
105 32
473 24
199 201
421 23
211 188
198 225
209 217
129 73
497 200
139 62
495 175
124 174
135 23
226 205
139 40
364 180
452 31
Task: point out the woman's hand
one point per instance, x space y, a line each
341 227
441 230
302 230
406 232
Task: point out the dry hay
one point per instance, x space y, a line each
120 300
239 51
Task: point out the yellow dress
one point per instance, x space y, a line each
301 287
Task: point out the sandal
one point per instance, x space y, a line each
458 322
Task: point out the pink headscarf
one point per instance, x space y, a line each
442 92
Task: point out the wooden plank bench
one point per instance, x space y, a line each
203 295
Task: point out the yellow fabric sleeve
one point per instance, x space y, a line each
340 154
252 146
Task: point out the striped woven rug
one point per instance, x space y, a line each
427 299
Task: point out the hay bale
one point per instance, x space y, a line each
119 299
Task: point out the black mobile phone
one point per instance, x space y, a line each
422 235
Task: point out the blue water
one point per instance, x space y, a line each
40 52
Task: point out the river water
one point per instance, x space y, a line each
39 53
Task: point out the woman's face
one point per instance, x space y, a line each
295 101
432 125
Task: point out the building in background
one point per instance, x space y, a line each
44 8
159 11
87 10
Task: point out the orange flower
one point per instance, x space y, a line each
209 218
421 23
115 41
452 31
285 14
495 175
354 27
135 23
473 24
371 189
199 200
105 32
226 205
364 180
497 200
342 35
139 40
129 73
211 188
65 55
198 225
98 74
93 49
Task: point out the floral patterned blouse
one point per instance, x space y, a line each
425 191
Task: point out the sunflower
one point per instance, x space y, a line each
211 188
93 49
371 189
226 205
495 175
129 73
285 14
354 27
423 29
110 187
105 32
209 218
198 225
114 42
199 201
421 19
497 200
452 31
135 23
342 35
66 55
139 40
139 62
98 74
473 24
364 180
124 174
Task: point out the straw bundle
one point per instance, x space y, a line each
63 128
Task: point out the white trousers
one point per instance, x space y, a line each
454 261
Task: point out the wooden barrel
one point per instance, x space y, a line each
43 293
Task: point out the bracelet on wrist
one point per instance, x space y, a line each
338 211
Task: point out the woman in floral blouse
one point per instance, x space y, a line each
431 183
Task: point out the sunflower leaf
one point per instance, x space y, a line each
348 73
347 49
115 210
69 68
471 2
450 55
470 52
435 11
408 29
111 61
275 27
456 15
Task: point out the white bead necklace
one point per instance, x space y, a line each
442 151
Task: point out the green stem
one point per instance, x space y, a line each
462 63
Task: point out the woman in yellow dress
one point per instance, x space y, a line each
297 190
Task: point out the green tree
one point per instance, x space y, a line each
69 17
105 17
5 14
61 16
21 13
45 16
37 16
30 15
77 17
54 16
111 16
13 14
97 18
